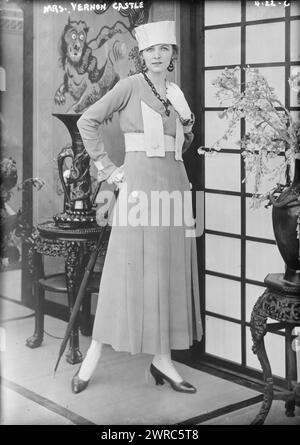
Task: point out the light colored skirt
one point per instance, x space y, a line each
149 293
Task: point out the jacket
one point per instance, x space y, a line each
140 112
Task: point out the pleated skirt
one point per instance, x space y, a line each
149 292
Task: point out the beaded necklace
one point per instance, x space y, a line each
166 103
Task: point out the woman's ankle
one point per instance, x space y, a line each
164 364
90 361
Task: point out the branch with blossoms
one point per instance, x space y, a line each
271 129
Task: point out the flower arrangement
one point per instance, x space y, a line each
271 130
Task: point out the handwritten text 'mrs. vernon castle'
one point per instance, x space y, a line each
80 7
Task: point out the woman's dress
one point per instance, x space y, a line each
149 292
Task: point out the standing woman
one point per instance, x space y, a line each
149 294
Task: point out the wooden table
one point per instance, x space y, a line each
75 245
280 302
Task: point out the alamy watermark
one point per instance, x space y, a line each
157 208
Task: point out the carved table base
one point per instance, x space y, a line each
280 303
75 246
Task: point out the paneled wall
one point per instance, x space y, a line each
239 243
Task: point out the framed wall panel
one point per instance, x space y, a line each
223 212
223 296
225 50
215 128
223 254
222 339
270 50
222 172
239 248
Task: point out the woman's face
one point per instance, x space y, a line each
158 57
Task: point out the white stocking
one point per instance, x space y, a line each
164 363
90 361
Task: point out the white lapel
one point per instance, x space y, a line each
153 131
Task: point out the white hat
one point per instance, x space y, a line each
155 33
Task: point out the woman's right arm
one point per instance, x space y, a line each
89 124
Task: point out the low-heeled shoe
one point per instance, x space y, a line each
77 384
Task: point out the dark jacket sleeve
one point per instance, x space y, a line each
188 134
188 139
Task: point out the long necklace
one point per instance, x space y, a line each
166 103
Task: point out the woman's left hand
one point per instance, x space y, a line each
117 176
177 99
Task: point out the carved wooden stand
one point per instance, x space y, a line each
75 246
281 302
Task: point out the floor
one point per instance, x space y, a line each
121 391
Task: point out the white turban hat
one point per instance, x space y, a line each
155 33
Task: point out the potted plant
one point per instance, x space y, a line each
271 132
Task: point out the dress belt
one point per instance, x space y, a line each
136 142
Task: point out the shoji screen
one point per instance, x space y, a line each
239 244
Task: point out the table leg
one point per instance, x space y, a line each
291 370
258 328
74 355
39 297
